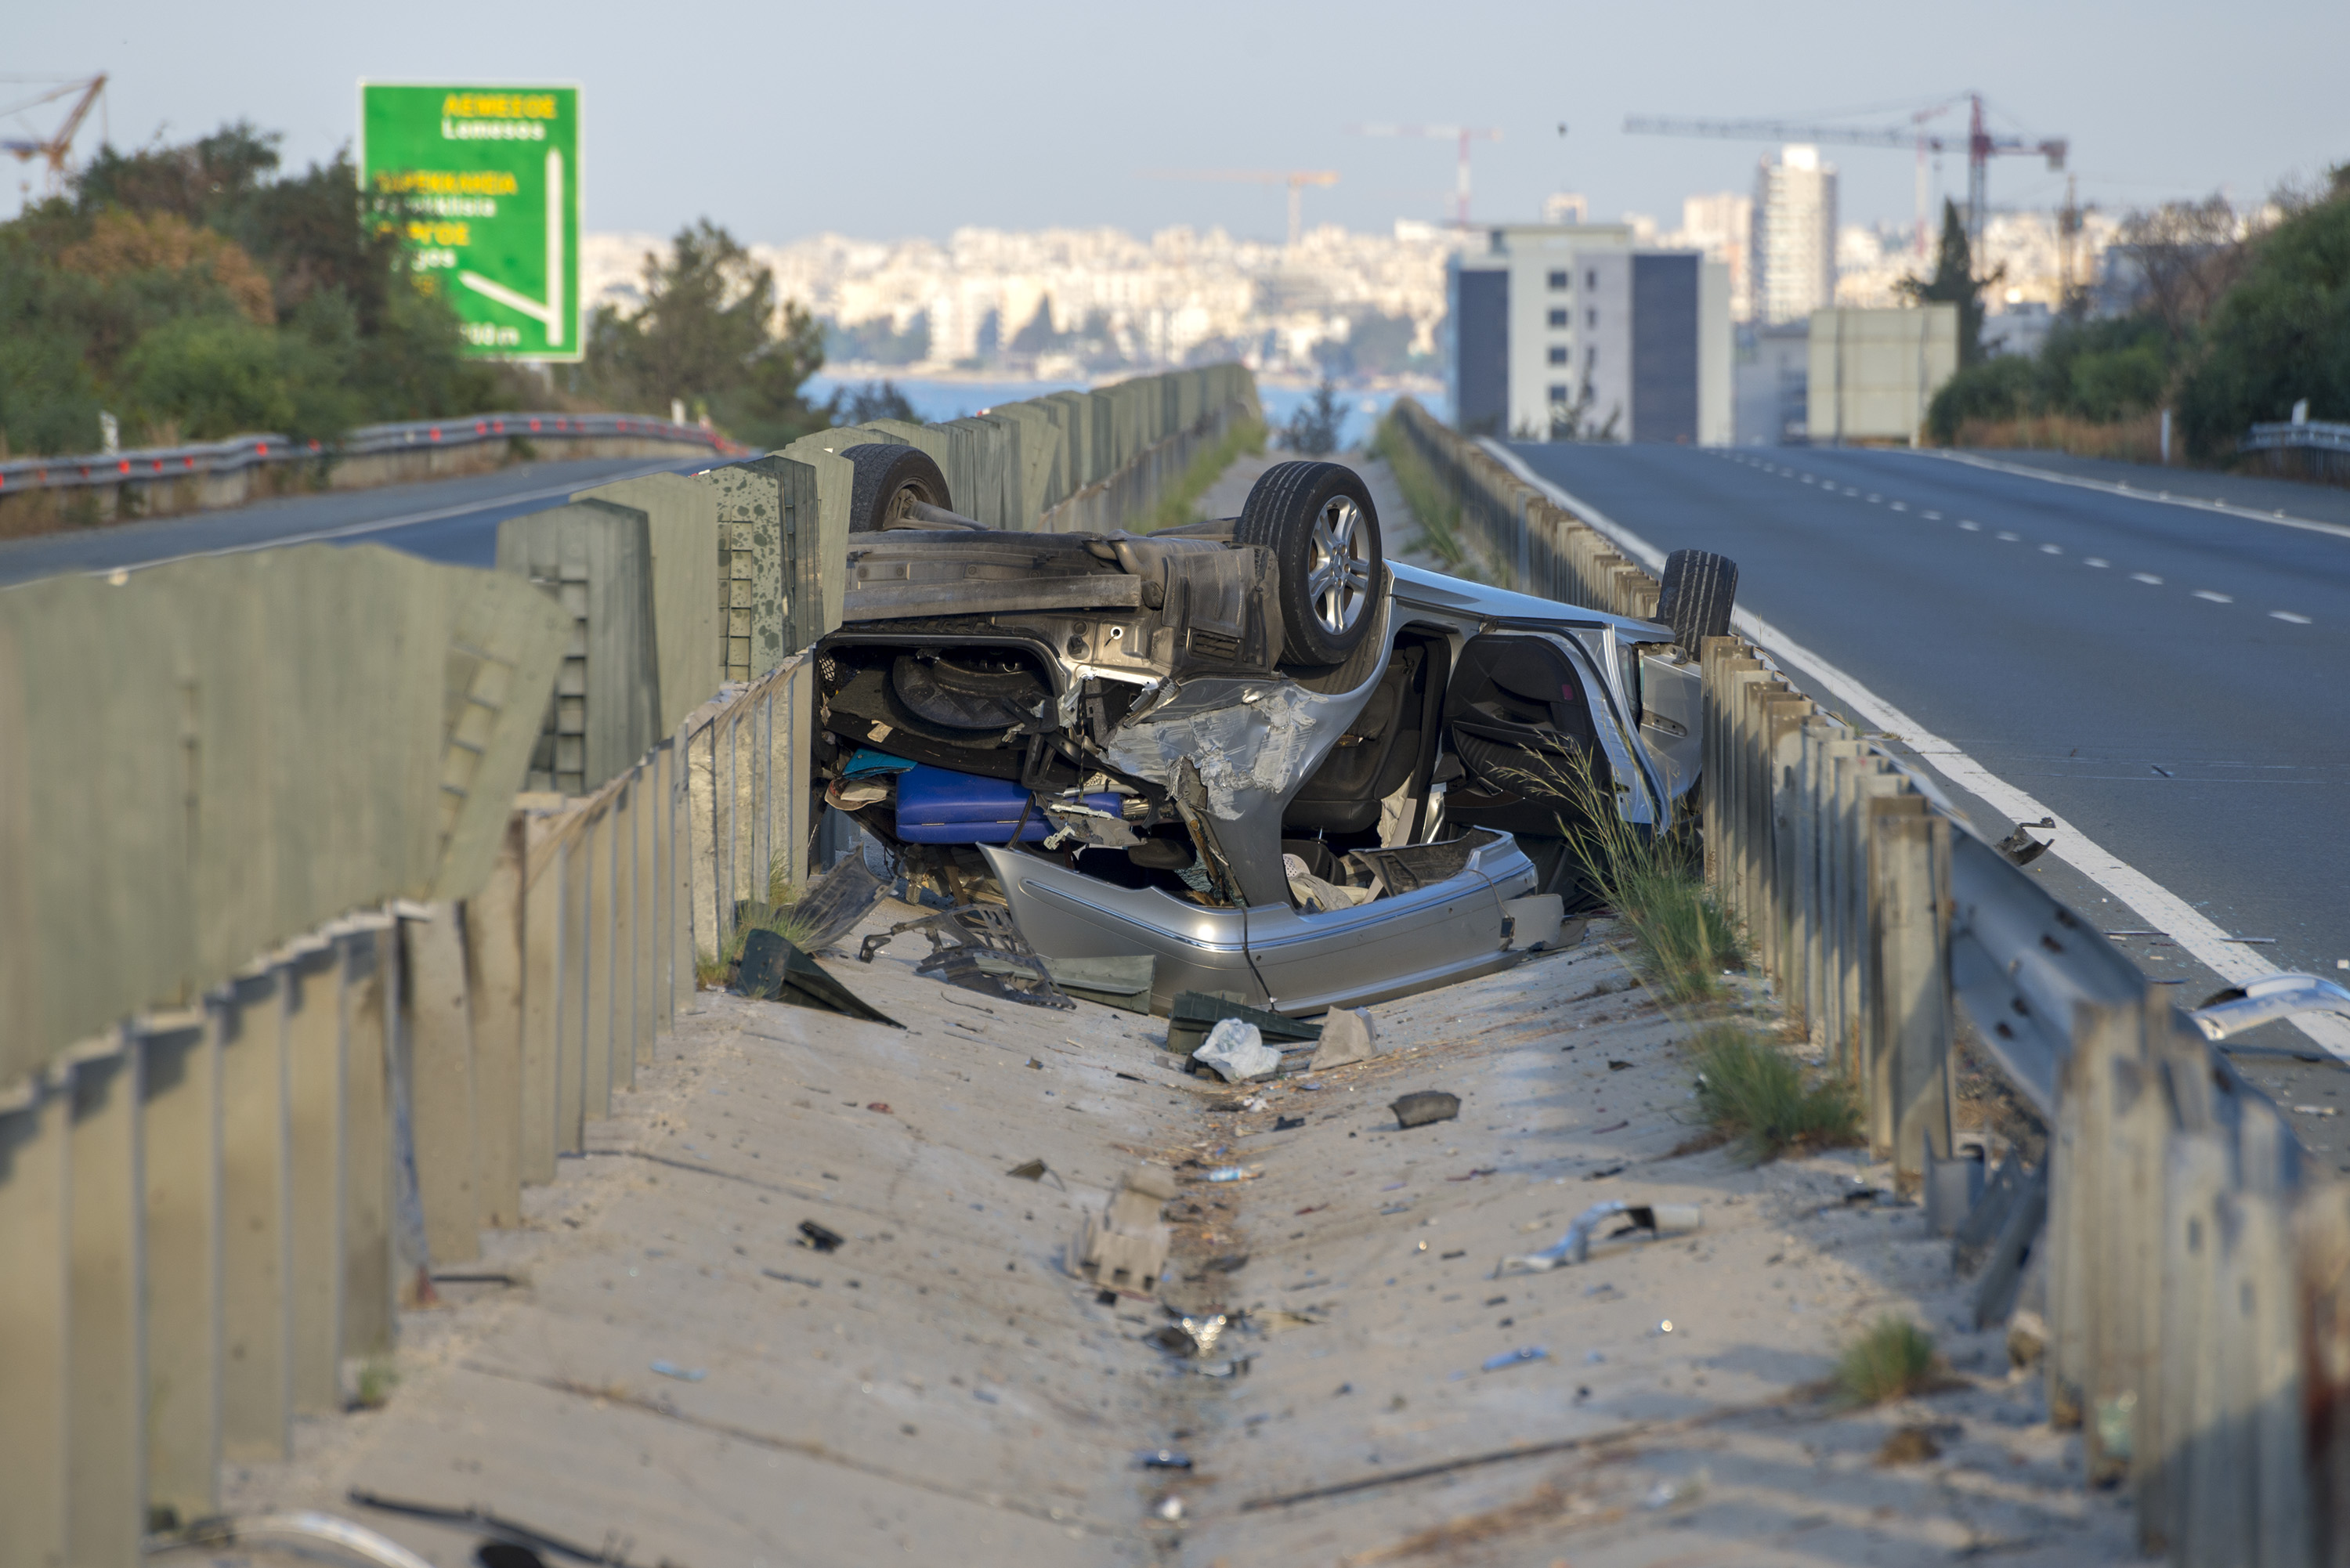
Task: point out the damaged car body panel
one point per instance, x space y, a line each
1252 749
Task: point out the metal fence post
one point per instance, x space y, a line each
492 930
595 868
1911 874
571 864
1785 716
537 1095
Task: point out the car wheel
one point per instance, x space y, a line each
1318 521
888 479
1696 596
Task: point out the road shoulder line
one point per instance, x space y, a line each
2250 514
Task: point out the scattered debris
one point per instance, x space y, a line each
1163 1460
1517 1357
793 1279
1290 1123
1232 1173
881 1105
833 903
1037 1171
1348 1036
1193 1336
683 1374
1474 1174
1194 1012
1619 1066
1171 1510
1236 1050
1603 1173
1275 1319
1611 1126
1428 1105
773 970
977 948
2020 847
1689 1489
814 1235
1910 1445
1126 1247
1229 1264
479 1519
1123 982
1659 1219
293 1530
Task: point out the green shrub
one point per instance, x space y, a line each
1893 1359
1433 505
1751 1091
2280 335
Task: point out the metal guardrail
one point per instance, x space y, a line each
202 459
2194 1267
2283 434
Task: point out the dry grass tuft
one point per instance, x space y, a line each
1892 1360
1752 1092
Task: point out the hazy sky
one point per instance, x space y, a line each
917 118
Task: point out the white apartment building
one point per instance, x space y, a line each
1794 235
1552 323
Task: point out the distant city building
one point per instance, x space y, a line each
1566 207
1568 331
1722 226
1772 384
1793 235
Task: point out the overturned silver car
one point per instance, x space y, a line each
1253 748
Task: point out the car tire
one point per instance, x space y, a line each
888 477
1318 521
1696 596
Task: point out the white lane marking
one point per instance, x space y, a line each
2177 918
1901 507
1972 527
2288 615
2147 577
352 530
2162 498
2011 538
2215 598
2049 550
1932 516
1877 498
2096 561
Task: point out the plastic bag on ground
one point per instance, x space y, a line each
1237 1052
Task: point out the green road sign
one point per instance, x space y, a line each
482 185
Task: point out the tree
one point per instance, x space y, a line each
710 336
874 400
1954 283
1313 430
2186 256
2282 334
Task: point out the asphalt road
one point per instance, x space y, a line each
452 519
2171 679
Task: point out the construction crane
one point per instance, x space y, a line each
1981 144
1295 179
54 150
1463 134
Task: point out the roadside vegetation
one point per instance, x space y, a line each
1433 505
1180 503
777 912
1752 1093
197 290
1893 1359
2235 319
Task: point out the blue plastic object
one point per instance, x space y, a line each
937 806
868 761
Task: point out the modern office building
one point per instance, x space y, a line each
1794 231
1565 331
